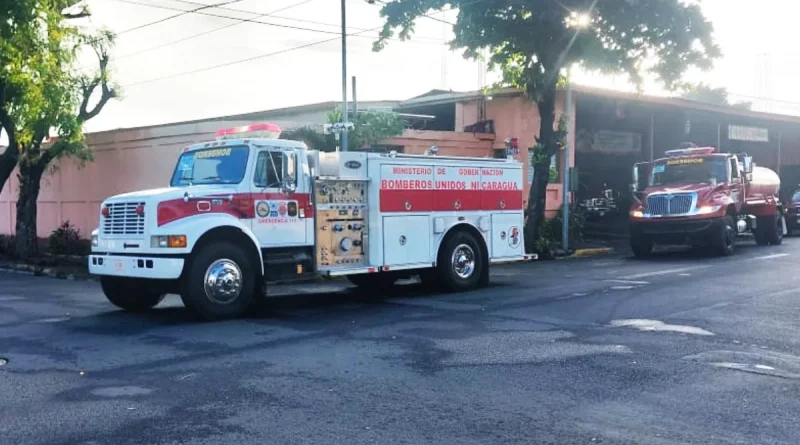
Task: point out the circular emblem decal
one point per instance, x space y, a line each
262 209
282 208
514 237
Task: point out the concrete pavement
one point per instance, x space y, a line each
678 349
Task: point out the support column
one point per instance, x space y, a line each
652 135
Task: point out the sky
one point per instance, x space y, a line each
167 70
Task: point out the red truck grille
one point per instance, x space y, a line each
670 205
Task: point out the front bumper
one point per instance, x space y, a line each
152 267
676 231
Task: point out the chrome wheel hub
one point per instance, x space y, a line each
463 261
223 281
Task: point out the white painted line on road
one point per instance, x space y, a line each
663 272
627 282
769 257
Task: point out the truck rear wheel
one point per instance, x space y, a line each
769 230
220 282
460 263
130 294
725 237
641 247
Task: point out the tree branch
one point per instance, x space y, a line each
106 92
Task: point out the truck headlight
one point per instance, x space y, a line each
637 214
168 241
708 210
95 241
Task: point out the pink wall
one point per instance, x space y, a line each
514 116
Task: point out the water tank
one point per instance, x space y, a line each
765 183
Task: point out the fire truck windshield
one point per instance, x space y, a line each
689 170
218 165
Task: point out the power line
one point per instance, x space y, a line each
261 56
178 15
240 21
249 59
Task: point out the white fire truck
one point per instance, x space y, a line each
250 208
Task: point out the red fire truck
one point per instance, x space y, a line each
250 208
706 199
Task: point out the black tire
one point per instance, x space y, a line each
230 299
460 264
130 294
641 247
775 235
724 238
769 230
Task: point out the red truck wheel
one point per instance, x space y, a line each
725 237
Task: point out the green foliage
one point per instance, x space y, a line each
66 240
45 95
551 231
312 138
369 128
532 41
704 93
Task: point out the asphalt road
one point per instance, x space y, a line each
678 349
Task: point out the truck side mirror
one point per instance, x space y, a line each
747 161
635 179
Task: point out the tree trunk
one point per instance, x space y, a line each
537 200
30 177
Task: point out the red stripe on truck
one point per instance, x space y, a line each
242 206
445 200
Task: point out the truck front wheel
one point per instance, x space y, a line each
460 263
130 294
219 282
725 237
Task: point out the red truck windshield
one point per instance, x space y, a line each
219 165
689 170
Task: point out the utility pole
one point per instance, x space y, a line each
565 173
344 77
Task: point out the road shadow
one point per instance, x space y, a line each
285 307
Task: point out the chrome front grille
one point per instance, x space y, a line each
122 219
666 205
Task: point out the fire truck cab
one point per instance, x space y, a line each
250 208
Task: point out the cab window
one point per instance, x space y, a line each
271 167
269 170
734 168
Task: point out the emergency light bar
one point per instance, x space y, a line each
690 151
265 131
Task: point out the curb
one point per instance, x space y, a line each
581 253
39 271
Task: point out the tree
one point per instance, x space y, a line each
49 96
369 128
702 92
532 42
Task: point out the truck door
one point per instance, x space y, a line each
737 182
280 218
